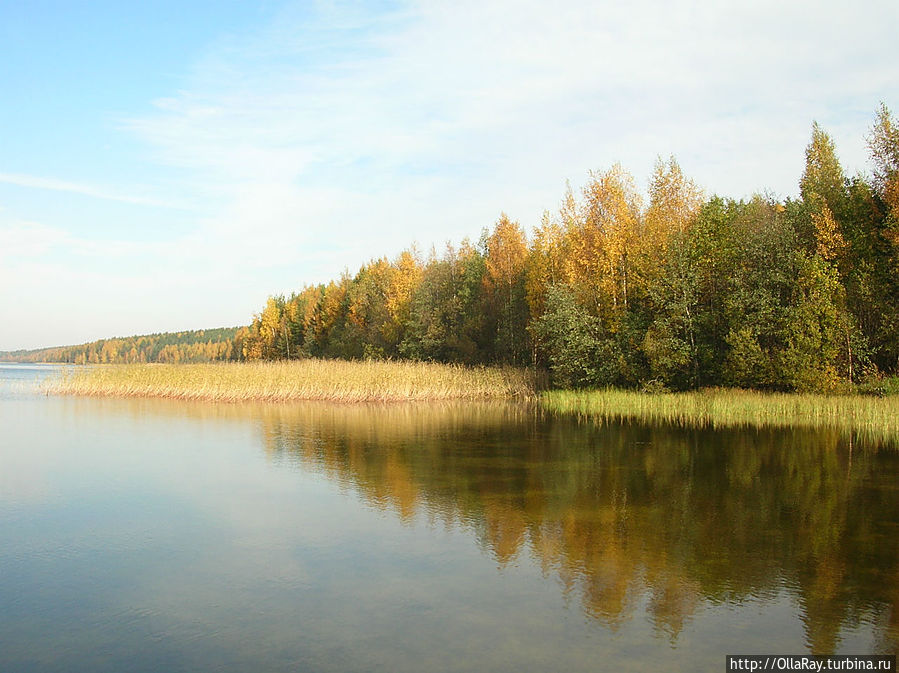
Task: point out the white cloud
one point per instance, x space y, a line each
472 90
503 101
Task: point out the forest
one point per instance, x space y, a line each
675 292
207 345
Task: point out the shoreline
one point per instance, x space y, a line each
354 382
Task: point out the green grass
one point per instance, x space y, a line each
310 379
877 417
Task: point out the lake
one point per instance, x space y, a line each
151 535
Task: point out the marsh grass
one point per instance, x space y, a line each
391 381
874 417
285 381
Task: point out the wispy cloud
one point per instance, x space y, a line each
82 189
504 100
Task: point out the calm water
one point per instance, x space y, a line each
146 535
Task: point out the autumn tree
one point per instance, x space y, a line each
674 201
545 262
667 269
822 183
883 143
600 238
403 277
506 259
446 319
874 291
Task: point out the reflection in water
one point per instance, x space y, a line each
618 512
162 528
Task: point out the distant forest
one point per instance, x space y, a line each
677 292
193 346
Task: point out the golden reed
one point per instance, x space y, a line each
310 379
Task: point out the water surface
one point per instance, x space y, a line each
148 535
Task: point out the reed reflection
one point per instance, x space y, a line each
625 514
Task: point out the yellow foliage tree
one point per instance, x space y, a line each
507 253
674 200
545 264
829 238
404 275
602 239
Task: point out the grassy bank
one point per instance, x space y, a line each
877 416
333 380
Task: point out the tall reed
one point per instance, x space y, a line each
309 379
718 407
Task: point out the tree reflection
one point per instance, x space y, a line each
673 517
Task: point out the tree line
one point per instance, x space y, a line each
677 291
208 345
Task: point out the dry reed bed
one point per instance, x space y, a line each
720 408
333 380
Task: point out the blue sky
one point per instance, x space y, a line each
168 165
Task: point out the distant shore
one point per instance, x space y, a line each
309 379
